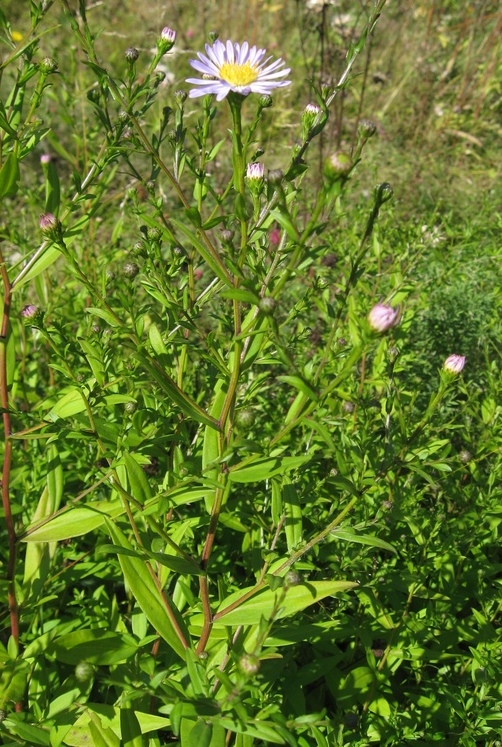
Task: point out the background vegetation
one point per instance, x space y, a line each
305 549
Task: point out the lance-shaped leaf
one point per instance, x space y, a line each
160 612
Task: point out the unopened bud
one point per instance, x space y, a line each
366 128
84 671
265 101
337 166
213 36
154 234
48 65
51 226
465 456
267 305
383 193
131 269
383 317
166 40
292 578
249 664
131 54
32 315
180 97
254 177
454 364
311 113
245 417
227 235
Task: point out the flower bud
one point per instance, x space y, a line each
166 40
131 54
131 269
454 364
465 456
154 234
337 166
213 36
275 237
309 116
292 578
382 193
84 671
245 418
227 235
348 406
383 317
267 305
48 65
32 315
180 97
366 128
45 158
265 101
130 407
51 226
254 177
249 664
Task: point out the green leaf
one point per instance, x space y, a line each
301 385
9 176
214 262
177 395
293 511
31 735
259 469
94 359
97 646
70 404
103 314
349 535
196 735
138 483
279 604
130 729
160 612
74 522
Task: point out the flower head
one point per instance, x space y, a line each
454 364
166 40
383 317
236 67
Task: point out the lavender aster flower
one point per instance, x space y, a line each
235 67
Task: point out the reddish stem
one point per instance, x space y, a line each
7 458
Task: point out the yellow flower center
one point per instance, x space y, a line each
238 75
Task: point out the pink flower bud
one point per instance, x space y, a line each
454 364
383 317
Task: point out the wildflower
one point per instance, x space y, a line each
131 54
166 40
275 237
45 158
48 65
51 226
235 67
309 116
337 166
366 128
454 364
32 315
254 177
383 317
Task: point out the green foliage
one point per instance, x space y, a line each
233 513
